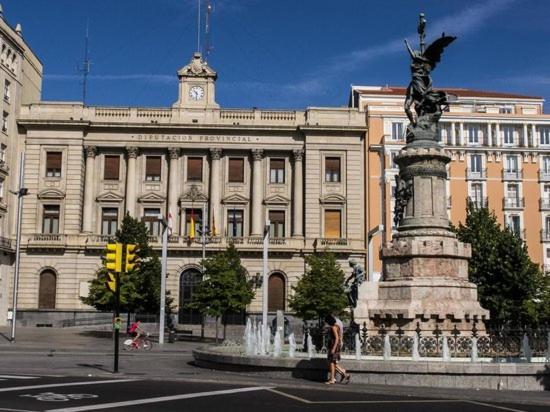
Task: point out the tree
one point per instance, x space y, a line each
510 285
139 288
320 290
224 289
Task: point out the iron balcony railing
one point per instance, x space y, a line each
479 202
545 235
476 174
508 174
544 176
513 203
544 203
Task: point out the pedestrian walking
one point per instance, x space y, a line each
335 342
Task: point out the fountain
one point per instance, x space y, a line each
310 349
446 352
291 345
526 349
277 344
473 353
248 338
415 354
357 347
387 347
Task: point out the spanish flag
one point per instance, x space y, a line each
192 227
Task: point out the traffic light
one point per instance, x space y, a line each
111 281
131 258
113 257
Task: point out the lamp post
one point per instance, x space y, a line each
373 232
22 191
264 279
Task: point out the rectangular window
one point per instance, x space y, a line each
505 110
276 223
276 170
393 163
545 135
7 90
547 225
152 168
1 190
476 163
473 134
397 131
546 165
236 170
151 220
513 192
511 163
514 224
234 223
332 169
476 193
333 224
50 219
193 223
508 135
5 116
194 169
109 221
53 164
112 168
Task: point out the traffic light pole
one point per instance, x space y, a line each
116 322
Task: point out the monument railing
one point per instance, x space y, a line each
500 343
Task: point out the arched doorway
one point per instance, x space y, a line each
47 290
189 280
276 293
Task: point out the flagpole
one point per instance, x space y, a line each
166 223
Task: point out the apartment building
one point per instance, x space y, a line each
500 148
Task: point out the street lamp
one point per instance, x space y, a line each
373 232
22 191
264 280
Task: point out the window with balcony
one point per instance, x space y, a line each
473 134
50 219
194 169
276 223
512 164
3 148
545 135
393 163
151 220
1 190
5 117
514 224
112 167
546 165
508 133
235 223
7 90
476 164
397 131
109 221
546 227
153 166
476 194
236 170
276 170
333 224
53 164
332 169
193 223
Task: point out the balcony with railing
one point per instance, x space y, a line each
6 244
508 174
544 176
544 203
513 202
545 235
476 174
479 202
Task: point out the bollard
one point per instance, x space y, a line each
171 336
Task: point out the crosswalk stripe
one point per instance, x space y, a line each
4 377
57 385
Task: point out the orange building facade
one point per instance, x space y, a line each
500 148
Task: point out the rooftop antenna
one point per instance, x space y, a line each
85 69
198 26
208 45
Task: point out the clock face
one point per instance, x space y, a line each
196 93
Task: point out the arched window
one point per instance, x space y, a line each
47 290
189 280
276 293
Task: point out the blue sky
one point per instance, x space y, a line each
283 53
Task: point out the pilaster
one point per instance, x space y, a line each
257 192
132 153
88 207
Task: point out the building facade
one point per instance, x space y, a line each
87 166
21 83
500 148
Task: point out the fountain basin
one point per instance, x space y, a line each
431 373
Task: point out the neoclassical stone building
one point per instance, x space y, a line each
232 169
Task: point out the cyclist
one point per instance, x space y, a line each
135 331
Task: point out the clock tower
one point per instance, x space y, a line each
196 85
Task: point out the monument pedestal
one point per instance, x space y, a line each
425 268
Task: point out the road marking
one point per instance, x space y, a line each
159 399
4 377
287 395
15 410
59 385
496 406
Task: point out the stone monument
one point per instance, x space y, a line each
425 268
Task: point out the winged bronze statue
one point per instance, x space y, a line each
428 103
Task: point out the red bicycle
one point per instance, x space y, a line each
142 342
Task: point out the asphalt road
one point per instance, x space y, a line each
24 393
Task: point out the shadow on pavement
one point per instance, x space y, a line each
97 366
543 377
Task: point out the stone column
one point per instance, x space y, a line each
215 194
489 134
257 192
173 186
298 201
497 135
525 136
88 209
131 180
534 135
461 134
453 133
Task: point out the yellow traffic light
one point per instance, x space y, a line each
113 257
131 258
111 281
